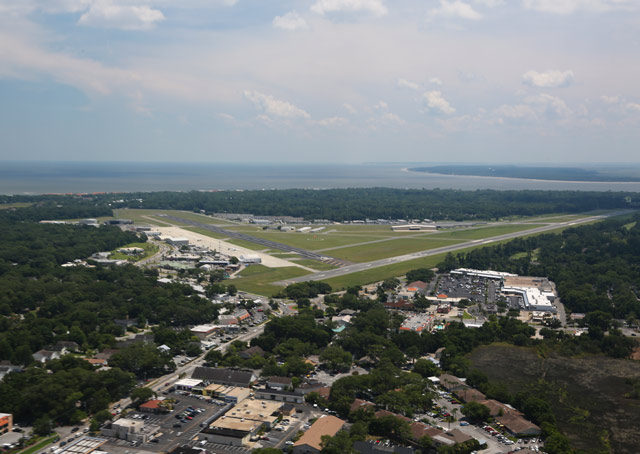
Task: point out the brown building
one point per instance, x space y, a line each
311 441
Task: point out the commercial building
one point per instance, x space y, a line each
413 227
178 241
487 274
231 394
242 422
417 323
279 395
129 429
187 384
204 331
224 376
311 441
6 423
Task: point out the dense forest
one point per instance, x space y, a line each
595 267
43 303
335 204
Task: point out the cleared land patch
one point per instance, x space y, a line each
258 279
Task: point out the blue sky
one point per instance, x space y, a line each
554 81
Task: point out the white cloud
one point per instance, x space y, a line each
455 9
381 106
610 99
548 79
404 83
391 118
109 14
374 7
290 21
349 108
332 121
517 111
549 104
435 101
490 3
572 6
274 107
226 116
435 81
633 107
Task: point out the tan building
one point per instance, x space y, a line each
311 441
242 422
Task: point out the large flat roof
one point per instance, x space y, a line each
325 425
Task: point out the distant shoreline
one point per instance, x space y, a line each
538 180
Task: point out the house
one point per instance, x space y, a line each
280 383
42 356
517 425
450 438
452 383
384 413
6 367
311 441
251 352
96 362
126 323
224 376
361 404
309 386
470 395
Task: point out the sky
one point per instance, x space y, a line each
468 81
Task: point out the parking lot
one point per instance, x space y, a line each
472 288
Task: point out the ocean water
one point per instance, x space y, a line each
82 177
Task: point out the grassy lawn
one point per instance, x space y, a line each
316 265
309 241
247 244
258 279
484 232
149 250
391 248
38 446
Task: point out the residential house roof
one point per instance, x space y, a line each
359 403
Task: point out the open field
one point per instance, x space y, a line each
315 264
310 241
6 206
258 279
482 232
207 233
586 393
384 249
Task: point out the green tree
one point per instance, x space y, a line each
336 358
476 412
42 426
140 395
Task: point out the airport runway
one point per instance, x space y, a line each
320 276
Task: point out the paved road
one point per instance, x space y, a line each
451 248
261 241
